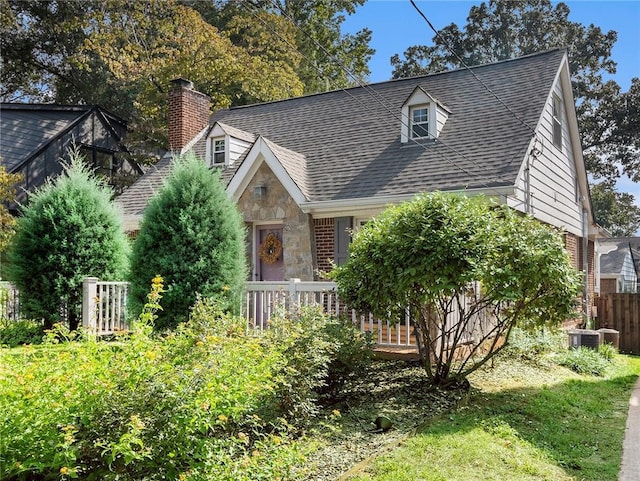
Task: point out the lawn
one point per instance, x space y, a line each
524 422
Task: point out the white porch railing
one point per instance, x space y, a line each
262 298
104 306
9 302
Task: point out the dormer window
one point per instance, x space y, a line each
419 122
218 149
423 117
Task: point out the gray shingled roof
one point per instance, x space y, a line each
350 138
27 129
612 264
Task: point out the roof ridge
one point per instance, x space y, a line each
412 78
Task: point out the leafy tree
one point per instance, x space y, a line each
321 49
617 211
122 55
193 236
466 272
69 229
611 134
609 119
7 194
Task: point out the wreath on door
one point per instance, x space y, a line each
271 249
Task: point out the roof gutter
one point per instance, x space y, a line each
343 206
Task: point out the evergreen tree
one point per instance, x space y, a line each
69 229
192 235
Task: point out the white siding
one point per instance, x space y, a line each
441 117
237 148
553 176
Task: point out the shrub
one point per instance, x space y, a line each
193 235
189 405
69 229
533 346
319 352
583 361
17 333
607 350
446 260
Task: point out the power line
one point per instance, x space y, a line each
446 44
374 94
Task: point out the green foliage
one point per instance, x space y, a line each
193 235
585 361
192 405
69 229
7 194
615 211
204 402
607 350
534 346
319 353
17 333
318 46
442 254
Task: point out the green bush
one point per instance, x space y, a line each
17 333
206 401
193 235
534 346
584 361
189 405
607 350
319 353
69 229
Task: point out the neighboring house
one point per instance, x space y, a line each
619 265
310 169
35 139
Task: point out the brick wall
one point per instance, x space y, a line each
572 244
324 232
188 113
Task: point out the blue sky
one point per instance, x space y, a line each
396 25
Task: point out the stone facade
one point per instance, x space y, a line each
277 207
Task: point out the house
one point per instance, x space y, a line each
307 170
619 265
35 139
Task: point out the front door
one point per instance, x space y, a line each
270 253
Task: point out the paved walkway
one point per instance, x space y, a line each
630 470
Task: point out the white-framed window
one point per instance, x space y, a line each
419 116
218 150
557 121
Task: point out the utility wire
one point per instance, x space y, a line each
446 44
374 94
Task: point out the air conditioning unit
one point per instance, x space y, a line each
584 338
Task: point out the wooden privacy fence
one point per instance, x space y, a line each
622 313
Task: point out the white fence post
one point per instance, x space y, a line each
294 293
89 296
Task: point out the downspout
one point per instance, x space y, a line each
585 266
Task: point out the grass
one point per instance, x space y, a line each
523 423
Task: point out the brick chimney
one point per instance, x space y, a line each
188 113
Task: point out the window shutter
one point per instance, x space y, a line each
341 239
